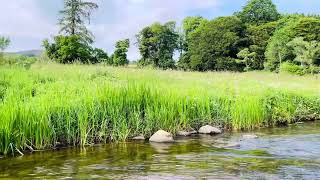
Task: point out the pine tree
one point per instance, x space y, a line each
74 17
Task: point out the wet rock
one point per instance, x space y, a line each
186 133
161 136
226 145
140 137
209 130
231 145
249 136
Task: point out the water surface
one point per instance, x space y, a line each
281 153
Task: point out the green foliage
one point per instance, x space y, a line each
247 57
259 11
120 54
74 16
290 27
99 55
190 24
157 44
259 36
306 52
292 68
4 43
70 49
215 42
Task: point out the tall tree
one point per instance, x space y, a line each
259 11
306 52
120 55
214 46
4 43
74 17
189 25
295 26
157 44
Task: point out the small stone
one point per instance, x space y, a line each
250 136
232 145
161 136
186 133
140 137
209 130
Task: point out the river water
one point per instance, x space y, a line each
280 153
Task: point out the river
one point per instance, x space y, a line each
279 153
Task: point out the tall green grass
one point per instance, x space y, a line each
50 105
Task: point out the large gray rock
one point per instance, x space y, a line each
161 136
209 130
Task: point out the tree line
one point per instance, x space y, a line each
255 38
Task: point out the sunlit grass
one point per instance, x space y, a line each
50 104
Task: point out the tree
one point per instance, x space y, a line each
247 57
157 44
214 45
306 52
259 11
289 28
74 16
68 49
4 43
120 55
259 36
99 55
190 24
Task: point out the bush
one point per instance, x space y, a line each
292 68
70 49
298 70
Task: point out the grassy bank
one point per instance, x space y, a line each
49 105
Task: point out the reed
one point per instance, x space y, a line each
50 105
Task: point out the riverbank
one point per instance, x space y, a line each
51 105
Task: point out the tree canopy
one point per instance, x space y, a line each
157 44
74 16
259 11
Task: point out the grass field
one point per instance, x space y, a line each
50 105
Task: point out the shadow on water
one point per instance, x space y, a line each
292 152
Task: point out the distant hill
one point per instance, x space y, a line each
29 53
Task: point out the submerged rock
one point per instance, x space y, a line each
186 133
209 130
161 136
249 136
226 144
140 137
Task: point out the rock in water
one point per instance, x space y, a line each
250 136
161 137
186 133
140 137
209 130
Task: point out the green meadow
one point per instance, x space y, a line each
51 105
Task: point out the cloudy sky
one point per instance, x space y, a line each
28 22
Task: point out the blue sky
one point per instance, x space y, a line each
28 22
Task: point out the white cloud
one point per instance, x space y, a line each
22 20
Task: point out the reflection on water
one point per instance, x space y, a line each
291 153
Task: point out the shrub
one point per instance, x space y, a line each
70 49
292 68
